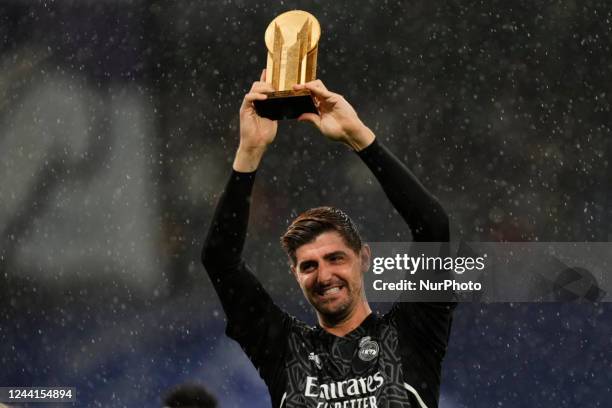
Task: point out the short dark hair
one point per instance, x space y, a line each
190 395
312 223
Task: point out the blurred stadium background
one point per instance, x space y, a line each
118 123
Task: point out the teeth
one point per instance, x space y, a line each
331 291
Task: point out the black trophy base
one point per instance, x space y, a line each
285 105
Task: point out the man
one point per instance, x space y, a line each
354 358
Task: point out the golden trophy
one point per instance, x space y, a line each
292 40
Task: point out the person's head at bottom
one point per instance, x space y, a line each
328 260
189 396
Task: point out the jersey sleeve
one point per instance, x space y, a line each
424 215
253 320
427 324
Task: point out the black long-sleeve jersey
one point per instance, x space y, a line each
388 361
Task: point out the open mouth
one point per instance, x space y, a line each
330 291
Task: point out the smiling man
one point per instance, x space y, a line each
354 358
328 260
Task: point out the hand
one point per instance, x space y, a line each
256 133
337 119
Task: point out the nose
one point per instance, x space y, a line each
325 273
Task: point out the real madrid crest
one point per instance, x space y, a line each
368 349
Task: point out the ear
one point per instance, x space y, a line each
293 270
366 257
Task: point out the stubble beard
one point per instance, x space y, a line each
337 311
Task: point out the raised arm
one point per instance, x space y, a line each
338 121
228 230
424 215
252 317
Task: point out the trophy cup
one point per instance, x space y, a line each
292 41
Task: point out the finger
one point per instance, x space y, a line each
263 75
317 88
261 87
318 83
252 96
312 118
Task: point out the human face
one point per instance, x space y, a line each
330 274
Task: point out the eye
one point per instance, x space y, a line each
336 258
307 267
